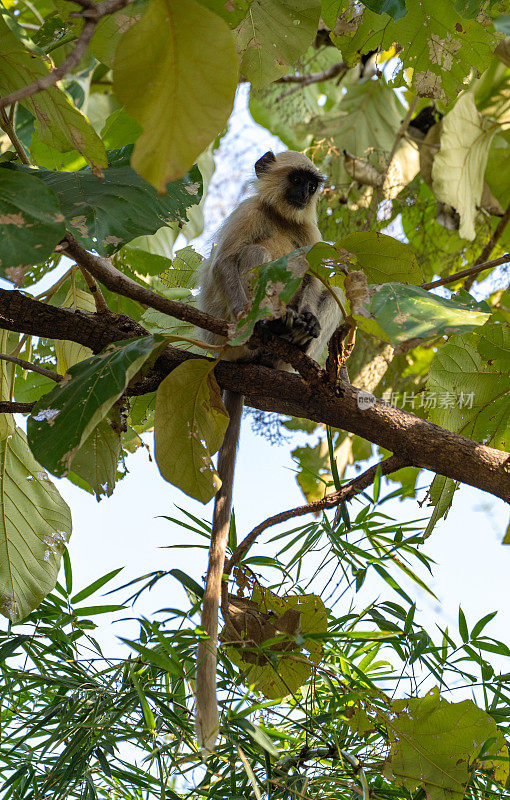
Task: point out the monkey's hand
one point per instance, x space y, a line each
293 326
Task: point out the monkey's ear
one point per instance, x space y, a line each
262 165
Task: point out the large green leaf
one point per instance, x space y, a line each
273 35
31 222
35 524
408 312
382 258
189 426
434 744
232 11
437 42
105 213
459 166
471 381
96 460
64 418
59 123
190 54
364 123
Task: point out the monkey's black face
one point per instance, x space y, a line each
302 185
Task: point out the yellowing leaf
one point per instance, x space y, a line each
35 524
70 353
459 166
190 56
273 35
434 744
59 123
189 426
8 342
279 667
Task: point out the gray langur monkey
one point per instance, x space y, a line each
279 218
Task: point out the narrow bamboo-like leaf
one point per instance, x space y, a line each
156 657
64 418
35 524
95 585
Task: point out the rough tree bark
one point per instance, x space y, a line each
416 441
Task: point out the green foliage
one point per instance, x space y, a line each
189 426
111 210
471 372
35 524
31 222
171 38
408 312
63 419
320 696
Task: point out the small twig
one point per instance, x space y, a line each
92 13
48 373
6 122
398 138
8 407
346 492
314 77
491 244
103 270
101 304
474 270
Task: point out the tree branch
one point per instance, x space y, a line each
315 77
346 492
474 270
7 407
418 442
103 270
92 13
491 244
48 373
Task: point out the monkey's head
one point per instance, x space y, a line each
289 183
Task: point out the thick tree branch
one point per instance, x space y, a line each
7 407
470 271
347 492
418 442
92 13
103 270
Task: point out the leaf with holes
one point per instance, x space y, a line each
273 35
64 418
405 312
105 213
35 524
31 222
189 426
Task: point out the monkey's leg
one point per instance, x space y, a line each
206 713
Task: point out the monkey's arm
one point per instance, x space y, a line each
231 275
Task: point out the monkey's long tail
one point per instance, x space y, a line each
206 713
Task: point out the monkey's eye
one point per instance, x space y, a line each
312 187
295 180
